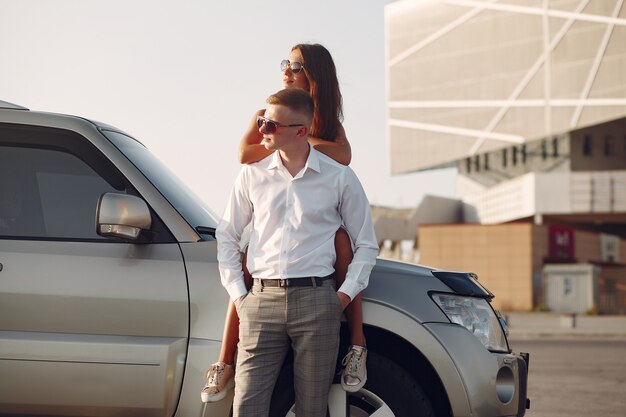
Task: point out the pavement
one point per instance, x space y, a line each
561 325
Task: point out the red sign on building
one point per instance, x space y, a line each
561 243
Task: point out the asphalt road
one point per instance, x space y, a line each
576 377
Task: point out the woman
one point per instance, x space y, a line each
309 67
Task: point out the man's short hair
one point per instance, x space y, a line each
295 99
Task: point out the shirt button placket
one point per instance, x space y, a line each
286 230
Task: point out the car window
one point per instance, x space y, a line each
195 211
48 193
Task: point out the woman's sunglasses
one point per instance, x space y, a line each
270 125
296 66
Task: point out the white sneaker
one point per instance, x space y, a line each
354 373
219 379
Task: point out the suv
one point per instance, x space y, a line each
111 302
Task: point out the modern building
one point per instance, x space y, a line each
527 98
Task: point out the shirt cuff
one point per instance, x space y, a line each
236 290
350 289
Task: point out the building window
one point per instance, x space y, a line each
608 145
524 154
486 162
544 150
587 148
468 164
477 163
555 147
504 157
514 156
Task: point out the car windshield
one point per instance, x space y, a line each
194 210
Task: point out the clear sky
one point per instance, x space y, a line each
184 77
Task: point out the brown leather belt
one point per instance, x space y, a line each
293 282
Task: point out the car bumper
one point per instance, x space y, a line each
523 361
496 383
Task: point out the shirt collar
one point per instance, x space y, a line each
275 162
312 162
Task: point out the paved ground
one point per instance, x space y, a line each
575 376
553 325
577 363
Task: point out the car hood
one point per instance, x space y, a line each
405 287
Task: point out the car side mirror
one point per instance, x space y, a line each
122 216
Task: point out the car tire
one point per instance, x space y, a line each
389 391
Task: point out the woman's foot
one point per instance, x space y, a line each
354 372
219 379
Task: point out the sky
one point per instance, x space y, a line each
184 77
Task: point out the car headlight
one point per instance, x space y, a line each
477 316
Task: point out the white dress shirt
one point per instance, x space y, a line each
294 221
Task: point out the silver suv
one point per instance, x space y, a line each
111 303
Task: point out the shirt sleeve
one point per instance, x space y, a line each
237 215
357 219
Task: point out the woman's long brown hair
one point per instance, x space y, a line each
324 88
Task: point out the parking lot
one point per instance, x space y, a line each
574 371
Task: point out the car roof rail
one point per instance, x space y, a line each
7 105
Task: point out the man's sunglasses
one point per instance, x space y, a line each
270 125
296 66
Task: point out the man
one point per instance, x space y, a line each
295 199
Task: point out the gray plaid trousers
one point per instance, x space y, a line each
272 319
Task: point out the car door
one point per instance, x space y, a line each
88 325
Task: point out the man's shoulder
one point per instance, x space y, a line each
329 163
264 163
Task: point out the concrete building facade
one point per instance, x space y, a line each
527 98
511 259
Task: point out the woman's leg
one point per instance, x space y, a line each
354 313
220 375
354 373
230 337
